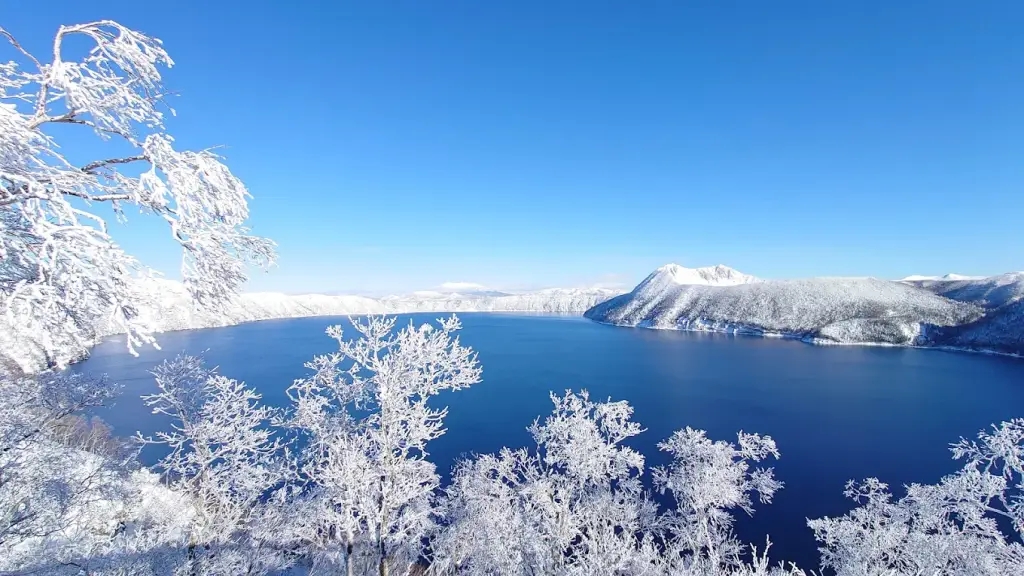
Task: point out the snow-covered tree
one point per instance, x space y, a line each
708 479
61 273
39 490
63 492
971 523
69 501
366 422
227 461
575 505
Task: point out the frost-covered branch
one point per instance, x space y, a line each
969 523
17 46
573 507
224 457
37 489
62 276
576 505
110 161
64 281
708 479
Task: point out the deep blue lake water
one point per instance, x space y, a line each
837 413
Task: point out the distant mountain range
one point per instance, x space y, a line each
947 277
949 311
165 305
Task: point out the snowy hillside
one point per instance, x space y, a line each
845 310
1002 327
164 305
989 292
1000 330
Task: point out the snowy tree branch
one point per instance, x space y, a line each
52 248
14 42
366 422
110 161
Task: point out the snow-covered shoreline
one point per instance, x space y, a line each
754 333
165 306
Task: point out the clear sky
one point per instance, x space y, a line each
393 146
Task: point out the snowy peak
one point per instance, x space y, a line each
707 276
953 277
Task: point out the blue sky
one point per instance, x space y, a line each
393 146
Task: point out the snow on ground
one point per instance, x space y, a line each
842 310
951 310
1000 330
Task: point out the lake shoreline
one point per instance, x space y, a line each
756 333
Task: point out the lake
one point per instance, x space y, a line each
836 412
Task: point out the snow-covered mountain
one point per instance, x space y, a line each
952 310
844 310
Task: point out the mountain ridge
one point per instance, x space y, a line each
719 275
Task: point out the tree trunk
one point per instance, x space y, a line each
193 568
349 568
382 555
